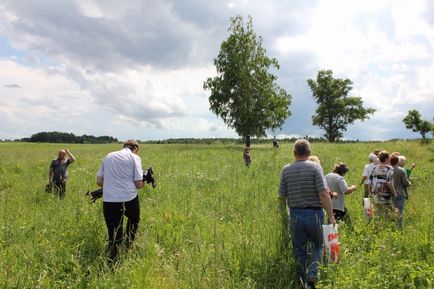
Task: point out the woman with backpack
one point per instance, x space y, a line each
383 188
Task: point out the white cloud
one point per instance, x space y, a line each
137 67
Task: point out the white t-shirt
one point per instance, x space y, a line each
120 170
367 172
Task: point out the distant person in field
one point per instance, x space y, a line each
402 162
336 183
366 177
275 143
401 183
58 172
382 183
247 157
303 189
120 175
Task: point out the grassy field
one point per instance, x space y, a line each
210 223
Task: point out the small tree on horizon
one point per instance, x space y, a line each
414 122
336 110
244 94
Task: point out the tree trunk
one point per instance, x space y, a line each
248 141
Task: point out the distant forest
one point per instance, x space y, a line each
64 137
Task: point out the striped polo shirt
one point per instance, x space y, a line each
300 183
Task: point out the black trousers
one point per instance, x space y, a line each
60 187
339 215
114 217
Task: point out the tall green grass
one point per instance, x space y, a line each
210 223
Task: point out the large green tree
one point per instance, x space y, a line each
244 93
414 122
336 110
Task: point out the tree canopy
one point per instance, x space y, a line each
414 121
336 110
244 93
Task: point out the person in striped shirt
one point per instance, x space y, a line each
303 189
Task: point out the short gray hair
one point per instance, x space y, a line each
401 160
302 147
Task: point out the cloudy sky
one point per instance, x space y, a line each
135 69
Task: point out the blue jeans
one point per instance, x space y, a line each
306 226
400 200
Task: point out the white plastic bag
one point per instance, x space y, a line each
331 242
367 208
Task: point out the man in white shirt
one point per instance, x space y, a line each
120 175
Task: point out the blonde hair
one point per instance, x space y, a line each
314 159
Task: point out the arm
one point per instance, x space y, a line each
363 180
70 156
99 181
50 175
139 184
351 189
326 203
282 199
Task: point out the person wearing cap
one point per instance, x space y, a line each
58 172
120 175
337 183
303 190
366 179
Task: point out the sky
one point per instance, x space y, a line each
135 69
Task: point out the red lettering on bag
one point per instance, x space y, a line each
332 236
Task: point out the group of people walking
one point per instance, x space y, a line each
386 179
303 189
307 194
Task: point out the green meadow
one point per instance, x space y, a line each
210 223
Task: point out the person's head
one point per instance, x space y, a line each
377 151
395 154
314 159
341 169
302 148
394 160
61 154
132 145
401 161
372 157
383 156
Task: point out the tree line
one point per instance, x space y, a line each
64 137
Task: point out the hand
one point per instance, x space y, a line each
413 165
332 220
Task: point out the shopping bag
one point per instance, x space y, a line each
331 242
367 208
